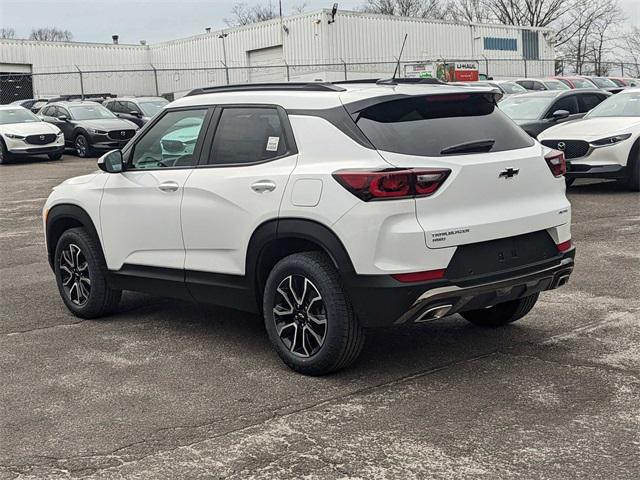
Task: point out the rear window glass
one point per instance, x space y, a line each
429 125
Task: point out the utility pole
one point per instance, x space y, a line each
224 35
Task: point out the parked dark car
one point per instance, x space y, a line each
88 126
33 104
540 84
138 110
537 111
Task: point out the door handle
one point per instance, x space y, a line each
168 186
263 186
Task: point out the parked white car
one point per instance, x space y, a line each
22 133
605 143
326 208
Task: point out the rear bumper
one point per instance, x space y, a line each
381 301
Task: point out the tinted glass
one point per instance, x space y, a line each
151 107
526 107
583 83
426 125
90 112
568 103
620 105
603 82
17 115
538 86
555 85
618 82
48 112
248 135
512 87
170 142
589 101
526 84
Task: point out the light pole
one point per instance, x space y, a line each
224 35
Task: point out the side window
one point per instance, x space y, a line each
109 105
526 84
130 107
589 100
568 103
62 112
46 112
538 86
248 135
170 142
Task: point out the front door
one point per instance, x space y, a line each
140 208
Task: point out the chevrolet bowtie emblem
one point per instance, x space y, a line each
509 172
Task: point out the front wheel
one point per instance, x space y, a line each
308 316
81 144
633 168
81 275
502 313
4 153
55 156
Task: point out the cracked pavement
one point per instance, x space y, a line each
169 389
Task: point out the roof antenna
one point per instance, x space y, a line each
392 80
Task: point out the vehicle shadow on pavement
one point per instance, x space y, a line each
399 351
598 186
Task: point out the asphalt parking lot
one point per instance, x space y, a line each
167 389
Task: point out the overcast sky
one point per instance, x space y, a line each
152 20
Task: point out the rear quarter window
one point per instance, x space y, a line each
426 125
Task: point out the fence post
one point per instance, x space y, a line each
622 69
287 67
81 83
155 77
525 68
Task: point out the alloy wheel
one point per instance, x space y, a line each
300 316
81 146
74 274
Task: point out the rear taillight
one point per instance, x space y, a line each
557 163
564 246
370 185
420 276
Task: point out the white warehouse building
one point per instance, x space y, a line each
309 46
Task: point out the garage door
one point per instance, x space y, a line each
264 57
16 82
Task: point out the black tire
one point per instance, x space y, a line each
633 168
82 146
89 262
569 181
502 313
55 156
342 337
4 154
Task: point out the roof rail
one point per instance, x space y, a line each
394 81
249 87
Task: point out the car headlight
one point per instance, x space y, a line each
60 134
603 142
96 131
15 137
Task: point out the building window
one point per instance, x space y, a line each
494 43
530 45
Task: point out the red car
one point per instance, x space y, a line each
625 81
577 82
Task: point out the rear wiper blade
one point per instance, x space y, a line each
469 147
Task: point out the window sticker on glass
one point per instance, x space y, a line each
272 144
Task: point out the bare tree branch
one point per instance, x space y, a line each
51 34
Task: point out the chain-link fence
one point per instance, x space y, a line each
175 82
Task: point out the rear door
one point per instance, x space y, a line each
238 186
499 185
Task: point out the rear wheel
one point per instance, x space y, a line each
81 144
81 276
308 316
501 314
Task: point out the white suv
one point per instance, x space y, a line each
327 208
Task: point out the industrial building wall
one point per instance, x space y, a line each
369 43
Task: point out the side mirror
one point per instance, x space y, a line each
111 162
559 115
135 113
63 118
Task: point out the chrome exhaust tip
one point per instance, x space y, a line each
434 313
563 280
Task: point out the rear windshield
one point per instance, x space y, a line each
431 125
